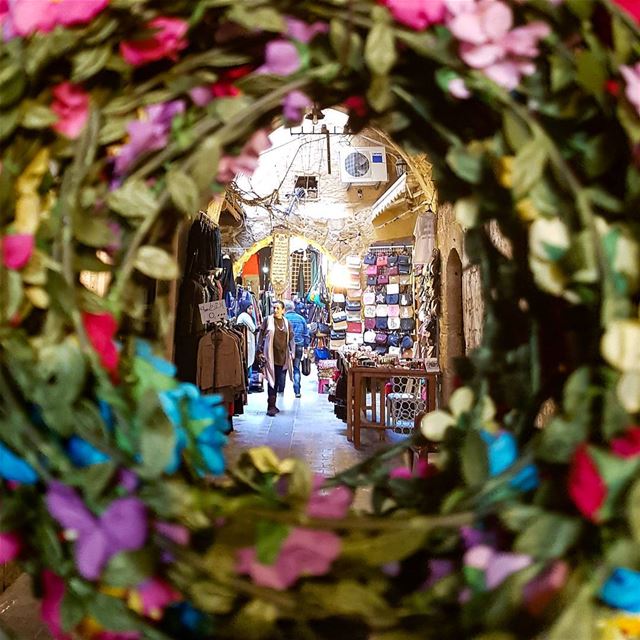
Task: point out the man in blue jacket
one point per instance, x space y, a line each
302 338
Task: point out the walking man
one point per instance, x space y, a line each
302 340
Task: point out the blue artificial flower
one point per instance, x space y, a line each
144 351
503 452
14 468
83 454
622 590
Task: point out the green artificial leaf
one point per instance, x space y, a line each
114 615
205 163
258 18
475 461
339 36
13 82
157 437
133 200
577 392
385 547
528 166
87 62
94 479
270 537
72 611
37 116
379 94
156 263
591 73
121 105
183 191
623 39
633 511
549 536
380 49
517 516
128 569
562 72
560 438
515 130
11 294
507 598
92 231
8 122
300 482
228 108
545 198
465 164
577 620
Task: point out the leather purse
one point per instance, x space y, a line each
372 280
370 311
381 260
406 312
392 298
339 316
323 329
369 297
406 299
370 323
383 279
404 269
407 342
392 271
393 340
370 258
394 310
354 327
404 280
392 260
340 326
338 335
352 305
382 311
404 259
407 324
371 270
393 288
393 324
382 324
381 338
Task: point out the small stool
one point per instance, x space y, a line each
323 385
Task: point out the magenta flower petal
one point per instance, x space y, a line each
168 38
10 547
17 250
304 32
31 16
71 105
328 503
53 594
417 14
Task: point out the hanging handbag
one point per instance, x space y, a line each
394 351
369 297
381 338
383 279
354 327
393 340
371 270
370 323
407 342
382 311
404 269
322 353
404 259
393 288
353 316
354 294
372 280
354 338
370 337
406 299
323 329
404 280
338 335
407 324
392 298
394 310
381 260
392 260
306 366
393 324
406 312
338 297
337 344
370 311
370 258
381 349
340 326
392 271
382 324
352 305
339 316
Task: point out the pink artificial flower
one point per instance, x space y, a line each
71 105
631 7
152 597
281 58
294 105
540 592
52 596
586 486
422 469
247 162
224 87
489 43
328 503
17 250
357 106
458 89
101 329
26 17
496 565
417 14
305 552
167 40
632 90
304 32
118 635
177 533
10 547
627 445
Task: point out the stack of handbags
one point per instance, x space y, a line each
339 321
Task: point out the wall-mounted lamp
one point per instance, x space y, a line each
316 114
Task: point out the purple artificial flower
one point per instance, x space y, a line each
281 58
128 480
472 537
147 134
304 32
328 503
294 105
496 565
305 552
438 568
121 527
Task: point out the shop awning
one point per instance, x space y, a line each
393 193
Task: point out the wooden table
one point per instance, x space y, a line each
375 378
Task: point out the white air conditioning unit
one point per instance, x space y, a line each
363 165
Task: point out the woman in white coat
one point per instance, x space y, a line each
246 318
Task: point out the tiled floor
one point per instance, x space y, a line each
306 428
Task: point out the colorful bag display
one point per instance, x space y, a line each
370 311
392 260
370 258
369 297
393 298
382 311
383 279
381 260
381 338
393 310
372 280
354 327
393 323
369 337
371 270
392 271
382 324
370 323
406 312
407 324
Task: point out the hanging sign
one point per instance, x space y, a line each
280 263
214 311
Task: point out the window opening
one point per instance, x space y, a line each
310 186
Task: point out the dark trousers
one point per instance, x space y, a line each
297 375
281 379
280 373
